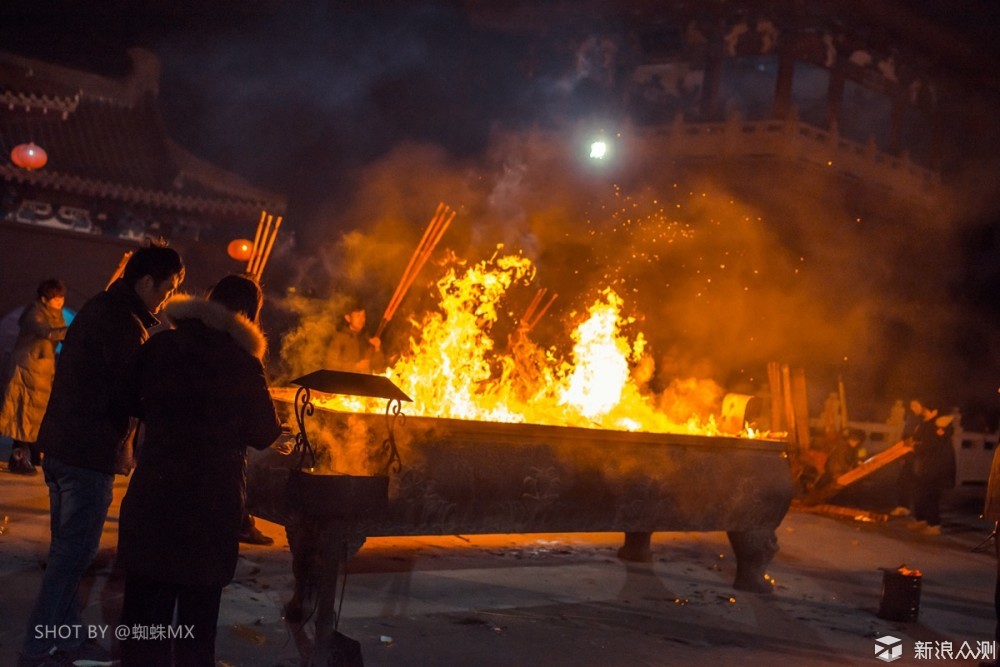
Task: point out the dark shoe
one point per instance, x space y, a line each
292 611
53 658
19 464
252 535
91 654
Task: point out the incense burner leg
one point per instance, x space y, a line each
754 551
332 557
636 548
318 551
303 535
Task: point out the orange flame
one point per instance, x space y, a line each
454 368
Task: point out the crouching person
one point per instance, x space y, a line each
204 399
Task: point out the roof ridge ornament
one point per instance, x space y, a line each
63 104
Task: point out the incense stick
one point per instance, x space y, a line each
531 308
532 314
413 266
424 256
121 268
542 312
255 260
256 240
267 250
421 260
432 235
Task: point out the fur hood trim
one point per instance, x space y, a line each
216 316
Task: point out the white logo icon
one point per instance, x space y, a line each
888 648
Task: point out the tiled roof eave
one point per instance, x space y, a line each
128 193
216 179
63 105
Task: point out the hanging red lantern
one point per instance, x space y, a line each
29 156
240 249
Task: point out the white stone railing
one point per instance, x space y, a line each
793 140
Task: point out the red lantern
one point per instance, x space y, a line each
240 249
28 156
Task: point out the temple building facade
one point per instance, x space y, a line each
112 179
878 93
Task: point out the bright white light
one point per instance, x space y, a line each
598 150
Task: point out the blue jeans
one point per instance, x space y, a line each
78 505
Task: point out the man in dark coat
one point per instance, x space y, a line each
351 349
84 435
933 468
905 481
203 399
41 327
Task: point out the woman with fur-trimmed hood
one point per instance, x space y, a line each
202 395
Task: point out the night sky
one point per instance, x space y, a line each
345 106
294 96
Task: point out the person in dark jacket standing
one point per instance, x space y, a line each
203 398
85 435
905 482
933 468
34 366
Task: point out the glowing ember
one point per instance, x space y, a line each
454 368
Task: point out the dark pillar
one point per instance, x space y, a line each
713 77
783 87
835 93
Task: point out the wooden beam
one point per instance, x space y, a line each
800 407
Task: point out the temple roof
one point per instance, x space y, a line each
106 138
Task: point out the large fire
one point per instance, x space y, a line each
454 368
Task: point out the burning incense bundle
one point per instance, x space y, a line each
533 313
263 242
435 230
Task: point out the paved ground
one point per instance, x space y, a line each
566 599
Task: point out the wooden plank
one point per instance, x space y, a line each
786 393
843 401
777 396
880 460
